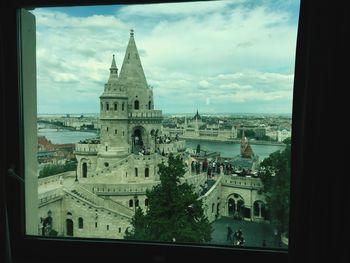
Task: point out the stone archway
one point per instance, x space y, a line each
259 209
69 227
231 206
139 139
236 206
84 169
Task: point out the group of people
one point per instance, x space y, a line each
166 139
236 237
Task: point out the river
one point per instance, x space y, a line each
226 149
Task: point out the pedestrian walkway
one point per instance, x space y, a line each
254 233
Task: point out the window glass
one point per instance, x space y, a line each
210 128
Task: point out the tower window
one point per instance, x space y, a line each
115 106
106 128
107 106
128 55
115 131
136 105
107 227
123 105
106 148
80 223
149 105
146 172
136 172
101 106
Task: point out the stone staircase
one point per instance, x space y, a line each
85 195
74 191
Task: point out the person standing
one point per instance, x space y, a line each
229 233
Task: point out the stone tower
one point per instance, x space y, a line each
129 123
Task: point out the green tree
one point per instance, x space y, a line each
52 169
275 175
174 211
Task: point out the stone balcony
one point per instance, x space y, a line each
242 182
145 114
86 148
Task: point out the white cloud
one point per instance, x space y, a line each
179 9
220 53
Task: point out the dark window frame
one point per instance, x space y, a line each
315 49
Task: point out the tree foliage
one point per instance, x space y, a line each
52 169
275 175
174 212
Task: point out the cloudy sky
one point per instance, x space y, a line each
217 57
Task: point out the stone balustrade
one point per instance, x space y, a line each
54 178
122 189
99 202
145 114
242 182
50 196
82 148
173 146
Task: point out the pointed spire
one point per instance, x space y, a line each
113 62
131 73
113 70
197 116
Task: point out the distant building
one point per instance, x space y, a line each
283 134
247 159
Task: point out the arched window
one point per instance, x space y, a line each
107 106
115 105
146 172
123 105
80 223
131 203
149 105
84 170
136 105
136 172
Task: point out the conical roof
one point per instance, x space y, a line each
131 73
197 116
113 71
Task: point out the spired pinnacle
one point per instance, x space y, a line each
113 62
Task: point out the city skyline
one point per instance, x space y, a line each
219 57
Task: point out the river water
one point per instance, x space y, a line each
226 149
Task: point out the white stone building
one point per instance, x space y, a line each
113 174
